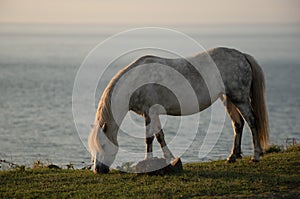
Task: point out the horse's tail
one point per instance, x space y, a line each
258 101
93 142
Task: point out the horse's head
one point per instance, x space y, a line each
103 146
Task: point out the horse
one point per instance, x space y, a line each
237 80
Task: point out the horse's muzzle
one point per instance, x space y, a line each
101 169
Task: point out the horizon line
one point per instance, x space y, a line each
148 24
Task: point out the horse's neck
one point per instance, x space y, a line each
116 117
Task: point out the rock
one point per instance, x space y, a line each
176 165
53 166
159 166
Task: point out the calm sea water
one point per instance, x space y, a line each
38 65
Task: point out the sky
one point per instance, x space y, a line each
150 12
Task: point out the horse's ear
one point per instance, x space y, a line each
104 127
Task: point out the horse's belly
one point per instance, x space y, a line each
189 107
162 100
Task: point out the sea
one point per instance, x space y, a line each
39 68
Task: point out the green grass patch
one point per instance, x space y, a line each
277 175
274 149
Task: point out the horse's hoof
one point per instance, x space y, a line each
239 156
262 154
231 159
253 160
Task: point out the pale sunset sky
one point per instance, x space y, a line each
154 12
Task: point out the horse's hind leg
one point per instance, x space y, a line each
247 113
237 122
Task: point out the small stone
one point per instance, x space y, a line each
159 166
53 166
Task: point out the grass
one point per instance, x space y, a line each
277 175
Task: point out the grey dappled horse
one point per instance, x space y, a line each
233 76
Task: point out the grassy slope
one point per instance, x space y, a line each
277 175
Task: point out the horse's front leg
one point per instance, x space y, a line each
161 140
149 138
166 151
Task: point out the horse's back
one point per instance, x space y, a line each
173 78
